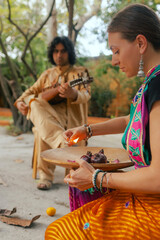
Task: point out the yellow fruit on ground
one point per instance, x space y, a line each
51 211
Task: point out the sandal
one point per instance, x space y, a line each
44 184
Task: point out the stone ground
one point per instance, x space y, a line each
18 189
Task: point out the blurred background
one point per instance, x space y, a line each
26 28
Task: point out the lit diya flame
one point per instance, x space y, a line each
76 140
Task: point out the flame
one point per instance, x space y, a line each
76 140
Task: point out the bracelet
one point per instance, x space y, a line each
101 189
88 130
108 181
94 178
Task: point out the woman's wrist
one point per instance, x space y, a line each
95 181
100 180
88 129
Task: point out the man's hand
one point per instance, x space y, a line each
22 107
65 91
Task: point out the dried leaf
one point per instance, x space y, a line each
5 212
19 161
18 221
2 182
19 138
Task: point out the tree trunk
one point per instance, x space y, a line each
52 22
70 24
10 92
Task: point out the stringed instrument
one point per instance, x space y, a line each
84 79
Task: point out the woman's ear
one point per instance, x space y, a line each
142 43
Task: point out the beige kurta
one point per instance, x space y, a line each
50 121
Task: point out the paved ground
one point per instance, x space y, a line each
18 189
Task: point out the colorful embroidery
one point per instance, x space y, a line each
86 225
127 204
134 136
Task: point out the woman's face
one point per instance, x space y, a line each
125 54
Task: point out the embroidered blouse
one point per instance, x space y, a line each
136 136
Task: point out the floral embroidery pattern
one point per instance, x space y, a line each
86 225
134 136
127 204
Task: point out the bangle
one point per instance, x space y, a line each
88 130
107 176
94 178
101 189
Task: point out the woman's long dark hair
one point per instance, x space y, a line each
68 45
137 19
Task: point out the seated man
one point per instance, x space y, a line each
53 106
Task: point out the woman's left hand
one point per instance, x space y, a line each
82 177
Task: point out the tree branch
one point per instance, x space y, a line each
83 19
67 5
10 63
30 39
26 38
1 26
37 31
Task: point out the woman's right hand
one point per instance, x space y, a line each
78 133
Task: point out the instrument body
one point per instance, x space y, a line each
85 79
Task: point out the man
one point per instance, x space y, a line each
53 106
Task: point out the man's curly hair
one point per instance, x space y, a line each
68 45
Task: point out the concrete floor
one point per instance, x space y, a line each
18 189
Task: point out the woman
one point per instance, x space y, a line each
132 211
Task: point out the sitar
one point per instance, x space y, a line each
84 79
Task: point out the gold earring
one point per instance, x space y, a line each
140 71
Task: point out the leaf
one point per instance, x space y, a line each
136 152
134 137
5 212
2 182
135 134
18 221
19 161
138 117
131 149
19 138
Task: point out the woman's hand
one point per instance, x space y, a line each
82 177
78 134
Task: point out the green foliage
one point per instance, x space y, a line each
108 80
82 61
131 86
28 16
112 7
101 94
13 130
100 100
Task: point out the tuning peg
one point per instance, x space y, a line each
86 70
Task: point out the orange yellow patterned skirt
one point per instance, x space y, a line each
117 215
